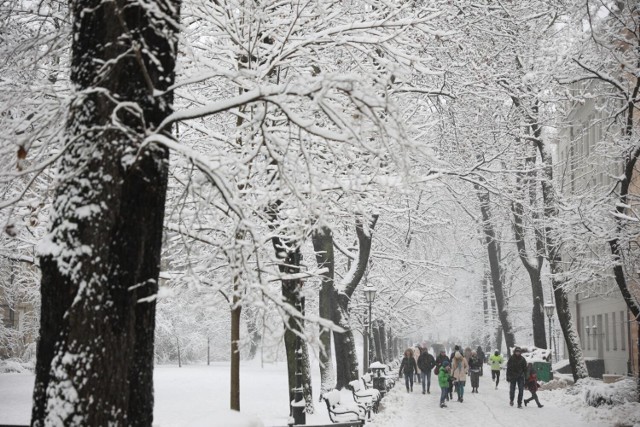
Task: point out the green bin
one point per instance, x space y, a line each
543 371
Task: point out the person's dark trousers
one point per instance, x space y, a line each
512 389
495 376
450 388
534 396
443 394
426 380
408 380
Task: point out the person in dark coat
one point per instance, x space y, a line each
532 386
516 371
426 363
481 358
475 365
408 367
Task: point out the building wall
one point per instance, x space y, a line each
609 340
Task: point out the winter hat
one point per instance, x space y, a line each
445 363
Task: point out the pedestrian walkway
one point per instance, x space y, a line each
489 407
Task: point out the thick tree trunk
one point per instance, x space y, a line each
236 311
344 343
576 359
323 246
289 257
100 262
377 342
390 339
533 267
493 250
383 341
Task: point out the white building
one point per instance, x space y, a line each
600 313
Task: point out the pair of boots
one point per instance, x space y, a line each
474 390
529 400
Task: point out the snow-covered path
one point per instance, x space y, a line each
489 407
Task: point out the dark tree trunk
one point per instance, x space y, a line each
289 260
179 355
100 271
383 341
576 359
377 344
323 246
344 343
236 311
533 264
493 250
390 340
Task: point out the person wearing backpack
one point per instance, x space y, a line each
408 368
426 363
496 360
443 382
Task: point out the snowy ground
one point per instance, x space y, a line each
199 396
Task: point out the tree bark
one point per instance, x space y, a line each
344 343
576 359
533 265
493 250
100 262
289 259
236 311
377 342
323 247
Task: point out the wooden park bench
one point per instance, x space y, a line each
369 397
340 412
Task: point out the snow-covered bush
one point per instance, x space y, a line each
15 366
596 393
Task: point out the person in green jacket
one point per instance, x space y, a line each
443 382
496 360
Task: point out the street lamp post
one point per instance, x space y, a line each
370 296
548 309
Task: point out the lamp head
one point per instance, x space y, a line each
370 293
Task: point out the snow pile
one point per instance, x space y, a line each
13 366
608 404
596 393
555 384
534 354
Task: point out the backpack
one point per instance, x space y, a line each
436 370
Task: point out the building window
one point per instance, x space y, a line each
593 331
586 321
8 316
606 331
623 344
615 330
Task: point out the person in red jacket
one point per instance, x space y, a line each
532 386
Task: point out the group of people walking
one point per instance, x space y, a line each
452 372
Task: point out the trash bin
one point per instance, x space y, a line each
543 371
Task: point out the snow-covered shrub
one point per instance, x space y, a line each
15 366
596 393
